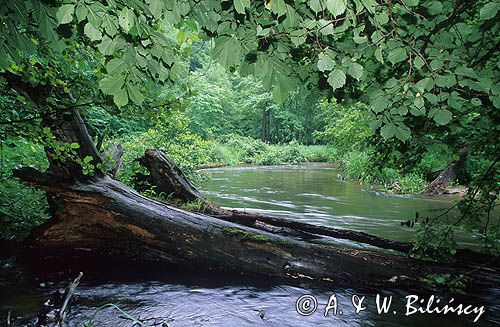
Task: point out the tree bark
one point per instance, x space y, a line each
167 178
447 175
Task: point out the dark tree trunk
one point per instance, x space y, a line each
103 218
98 217
167 177
447 175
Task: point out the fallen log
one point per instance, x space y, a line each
99 218
108 219
102 218
160 165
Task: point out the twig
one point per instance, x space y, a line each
445 23
69 294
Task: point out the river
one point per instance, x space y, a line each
310 193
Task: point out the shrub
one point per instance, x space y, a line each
186 149
433 161
21 207
357 165
277 155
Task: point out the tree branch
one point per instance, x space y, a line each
445 23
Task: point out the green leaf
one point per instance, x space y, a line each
315 5
284 85
397 55
436 64
442 116
419 102
298 37
488 11
156 7
355 70
336 78
92 33
446 81
116 66
325 62
388 131
109 24
476 102
378 55
435 8
292 20
126 19
424 84
278 7
418 62
182 36
402 133
455 101
107 46
227 50
112 84
370 5
325 27
379 104
81 12
466 71
411 3
336 7
135 94
382 18
64 14
359 39
120 98
417 112
241 5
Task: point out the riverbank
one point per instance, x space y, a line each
353 165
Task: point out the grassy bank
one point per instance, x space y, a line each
355 165
233 150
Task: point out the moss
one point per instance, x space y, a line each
198 205
285 242
245 235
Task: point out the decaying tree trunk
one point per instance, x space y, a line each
447 175
294 228
96 217
167 177
102 218
106 219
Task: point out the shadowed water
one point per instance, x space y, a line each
309 193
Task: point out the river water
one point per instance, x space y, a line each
309 193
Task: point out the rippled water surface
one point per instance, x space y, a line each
310 193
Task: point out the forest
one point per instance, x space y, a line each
313 144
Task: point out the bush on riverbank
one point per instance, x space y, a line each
236 149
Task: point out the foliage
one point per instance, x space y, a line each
347 127
21 207
171 136
438 71
455 283
235 149
223 104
